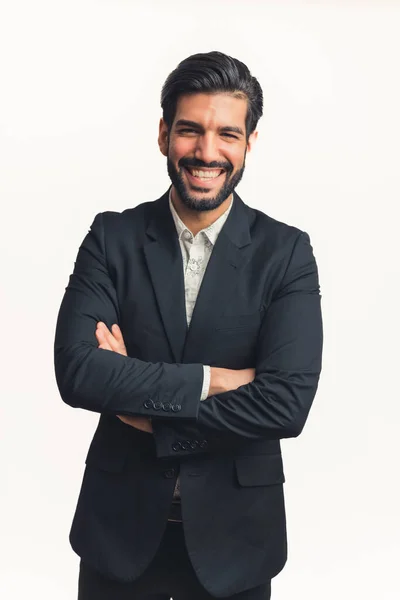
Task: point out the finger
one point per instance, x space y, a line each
117 333
109 338
100 335
103 343
103 327
141 423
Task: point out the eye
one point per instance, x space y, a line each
187 130
230 135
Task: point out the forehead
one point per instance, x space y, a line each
212 109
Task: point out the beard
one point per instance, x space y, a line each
193 203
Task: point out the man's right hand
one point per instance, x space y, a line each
110 340
226 380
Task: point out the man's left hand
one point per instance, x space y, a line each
142 423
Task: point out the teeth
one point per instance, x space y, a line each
205 174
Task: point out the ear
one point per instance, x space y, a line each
252 140
163 137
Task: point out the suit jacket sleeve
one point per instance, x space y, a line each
100 380
289 354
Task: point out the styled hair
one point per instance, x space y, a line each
212 73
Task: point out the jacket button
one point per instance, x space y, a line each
176 407
166 406
176 446
185 445
149 403
157 405
203 444
194 444
169 473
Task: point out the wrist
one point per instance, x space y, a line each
218 381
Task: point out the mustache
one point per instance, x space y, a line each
195 162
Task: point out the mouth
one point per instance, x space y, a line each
205 177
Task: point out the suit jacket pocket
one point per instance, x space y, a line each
264 469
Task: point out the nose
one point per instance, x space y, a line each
206 148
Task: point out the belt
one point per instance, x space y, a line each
175 511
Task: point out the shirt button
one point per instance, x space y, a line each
187 235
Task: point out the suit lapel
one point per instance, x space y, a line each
164 259
230 254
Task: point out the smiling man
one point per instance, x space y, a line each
206 149
192 325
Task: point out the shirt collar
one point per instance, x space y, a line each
212 231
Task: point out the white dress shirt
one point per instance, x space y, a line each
196 252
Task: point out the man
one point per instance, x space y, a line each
192 324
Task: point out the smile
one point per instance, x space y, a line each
203 175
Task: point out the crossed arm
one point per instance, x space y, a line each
272 405
222 380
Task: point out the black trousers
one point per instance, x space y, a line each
169 575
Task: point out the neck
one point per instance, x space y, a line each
195 220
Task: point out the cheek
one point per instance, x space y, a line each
181 148
236 157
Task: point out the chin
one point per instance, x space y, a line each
201 193
201 202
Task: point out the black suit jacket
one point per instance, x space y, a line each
258 306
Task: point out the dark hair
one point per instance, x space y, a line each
211 73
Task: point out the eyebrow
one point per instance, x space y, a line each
228 128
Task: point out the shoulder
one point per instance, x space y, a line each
127 218
287 248
127 224
272 233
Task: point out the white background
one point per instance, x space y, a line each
79 109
